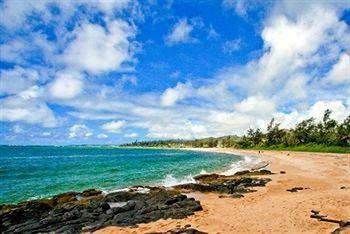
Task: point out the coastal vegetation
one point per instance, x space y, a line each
325 136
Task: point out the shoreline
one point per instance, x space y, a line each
112 190
324 177
300 182
92 210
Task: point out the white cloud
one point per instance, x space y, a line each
180 33
15 12
340 111
17 79
96 49
79 131
232 46
66 85
102 136
173 95
280 84
114 126
340 72
187 130
27 107
131 135
256 105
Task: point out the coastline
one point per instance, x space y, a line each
325 177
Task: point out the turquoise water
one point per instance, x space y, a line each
28 172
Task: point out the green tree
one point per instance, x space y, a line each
255 136
305 132
327 130
343 133
274 134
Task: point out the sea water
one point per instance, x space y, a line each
29 172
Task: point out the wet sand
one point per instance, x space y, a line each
272 209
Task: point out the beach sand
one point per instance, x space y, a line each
272 209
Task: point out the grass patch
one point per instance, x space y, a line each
307 148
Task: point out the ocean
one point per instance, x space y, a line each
30 172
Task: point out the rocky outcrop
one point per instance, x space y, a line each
239 183
90 210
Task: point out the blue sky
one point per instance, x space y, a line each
108 72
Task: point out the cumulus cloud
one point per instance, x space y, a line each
96 49
59 68
79 131
102 136
340 72
114 126
256 106
18 79
66 85
27 107
282 83
173 95
180 33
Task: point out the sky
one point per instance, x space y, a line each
110 72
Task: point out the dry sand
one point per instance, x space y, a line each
272 209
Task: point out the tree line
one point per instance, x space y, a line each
327 132
324 134
225 141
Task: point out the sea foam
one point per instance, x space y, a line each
246 163
170 180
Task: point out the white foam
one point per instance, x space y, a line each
203 172
170 180
246 163
116 204
105 192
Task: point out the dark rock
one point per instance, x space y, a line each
91 192
282 172
65 197
178 230
237 195
296 189
224 184
64 213
74 212
253 173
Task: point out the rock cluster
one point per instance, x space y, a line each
235 185
90 210
187 229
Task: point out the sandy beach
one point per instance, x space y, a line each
273 209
